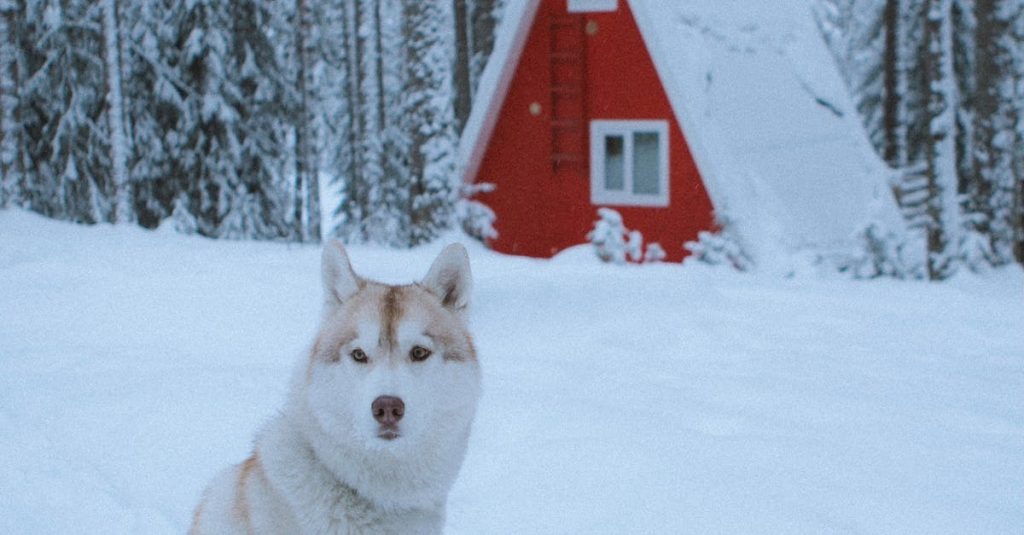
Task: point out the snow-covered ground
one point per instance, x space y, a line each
664 399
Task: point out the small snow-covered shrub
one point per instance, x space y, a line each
476 218
879 256
183 220
977 251
719 248
635 246
883 253
654 253
614 243
609 237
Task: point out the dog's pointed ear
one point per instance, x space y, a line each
340 281
450 279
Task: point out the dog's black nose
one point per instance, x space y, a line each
388 410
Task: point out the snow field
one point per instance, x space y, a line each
635 399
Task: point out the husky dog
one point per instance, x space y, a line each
376 423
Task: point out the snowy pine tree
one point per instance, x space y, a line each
858 36
989 191
62 109
396 174
476 218
475 22
369 207
234 122
979 111
221 117
207 146
155 99
269 109
428 118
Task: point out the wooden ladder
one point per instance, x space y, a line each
568 63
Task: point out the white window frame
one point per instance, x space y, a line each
599 130
589 6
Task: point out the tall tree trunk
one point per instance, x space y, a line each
463 60
298 200
978 190
380 222
1018 218
894 125
10 125
313 210
1017 41
943 211
307 191
353 207
965 58
484 15
394 175
123 212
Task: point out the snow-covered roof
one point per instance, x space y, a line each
510 37
763 107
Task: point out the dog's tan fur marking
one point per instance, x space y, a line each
470 349
327 347
241 505
457 350
390 313
196 518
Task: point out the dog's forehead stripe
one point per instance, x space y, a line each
390 313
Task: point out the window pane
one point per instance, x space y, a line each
645 163
614 168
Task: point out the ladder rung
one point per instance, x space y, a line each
567 56
566 89
565 21
566 123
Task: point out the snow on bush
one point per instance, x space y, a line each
609 236
616 244
476 218
719 248
635 245
184 221
883 253
977 251
654 253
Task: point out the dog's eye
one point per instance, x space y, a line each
419 353
358 355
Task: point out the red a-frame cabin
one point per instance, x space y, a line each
577 118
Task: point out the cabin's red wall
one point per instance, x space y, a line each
540 212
